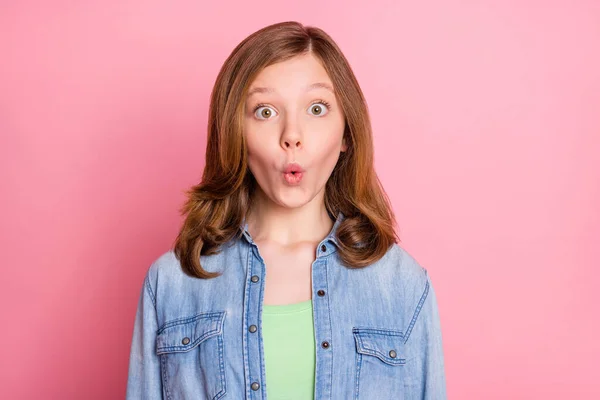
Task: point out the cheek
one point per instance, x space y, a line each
259 157
328 153
332 140
253 140
335 132
258 136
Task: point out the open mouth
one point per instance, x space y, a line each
293 177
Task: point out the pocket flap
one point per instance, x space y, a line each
385 344
184 334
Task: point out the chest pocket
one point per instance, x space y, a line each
191 355
380 361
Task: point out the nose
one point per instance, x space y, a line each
291 136
292 143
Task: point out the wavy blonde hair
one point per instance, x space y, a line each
217 206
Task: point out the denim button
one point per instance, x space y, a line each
255 386
323 248
254 278
392 354
321 293
252 328
185 340
325 345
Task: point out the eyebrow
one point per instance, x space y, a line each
318 85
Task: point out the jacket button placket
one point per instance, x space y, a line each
254 351
322 326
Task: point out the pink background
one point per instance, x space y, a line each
486 117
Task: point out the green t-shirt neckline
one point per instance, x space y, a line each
287 308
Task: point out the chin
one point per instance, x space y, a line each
291 201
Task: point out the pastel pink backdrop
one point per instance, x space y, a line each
487 132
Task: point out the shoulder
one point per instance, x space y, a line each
414 284
166 272
410 270
164 263
165 267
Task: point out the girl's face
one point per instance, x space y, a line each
292 116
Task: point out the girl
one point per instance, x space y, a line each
286 279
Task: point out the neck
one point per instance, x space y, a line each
268 222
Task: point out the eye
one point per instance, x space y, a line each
262 111
319 108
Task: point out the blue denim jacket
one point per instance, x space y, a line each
377 329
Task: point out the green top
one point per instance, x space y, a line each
289 346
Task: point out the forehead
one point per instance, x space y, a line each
297 72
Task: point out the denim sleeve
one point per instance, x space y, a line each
427 338
144 381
